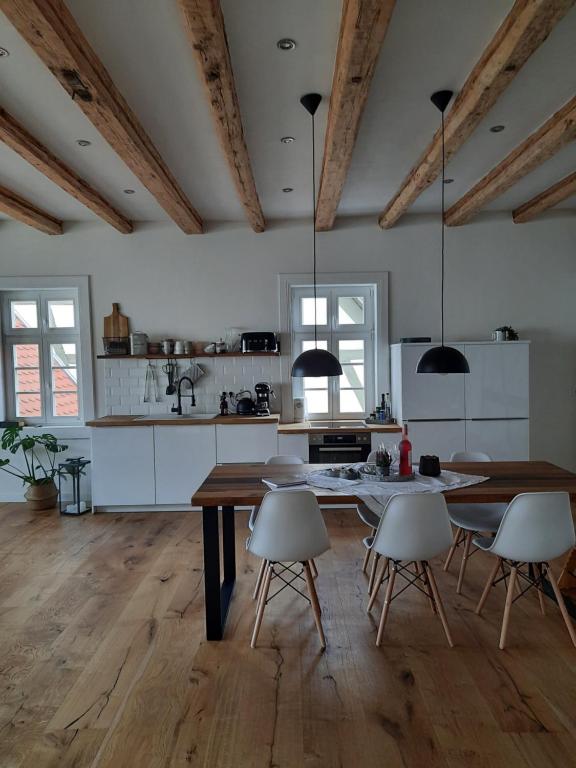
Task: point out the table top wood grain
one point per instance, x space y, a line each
241 484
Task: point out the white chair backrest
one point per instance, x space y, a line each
289 527
470 456
284 460
536 527
414 526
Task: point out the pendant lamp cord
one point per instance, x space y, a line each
314 230
442 225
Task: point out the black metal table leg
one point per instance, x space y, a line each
217 595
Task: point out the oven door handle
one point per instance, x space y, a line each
348 449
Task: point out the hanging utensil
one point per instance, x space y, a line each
151 385
170 371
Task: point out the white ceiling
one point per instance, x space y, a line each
429 45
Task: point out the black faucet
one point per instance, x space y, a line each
178 408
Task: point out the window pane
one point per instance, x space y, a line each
316 400
350 310
27 380
26 356
307 311
64 379
62 355
351 351
28 405
352 400
322 344
65 404
23 314
61 313
352 377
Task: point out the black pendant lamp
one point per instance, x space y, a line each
442 359
315 362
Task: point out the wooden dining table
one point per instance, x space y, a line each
230 486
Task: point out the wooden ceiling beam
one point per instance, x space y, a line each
523 31
362 31
556 132
51 31
555 194
17 138
18 208
204 25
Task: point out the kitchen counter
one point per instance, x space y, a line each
171 421
306 427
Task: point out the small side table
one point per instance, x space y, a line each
74 468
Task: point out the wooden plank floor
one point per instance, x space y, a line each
103 662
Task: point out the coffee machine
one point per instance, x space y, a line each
263 394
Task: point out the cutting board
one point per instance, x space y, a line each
116 324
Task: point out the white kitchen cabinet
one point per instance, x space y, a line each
424 395
439 438
293 445
123 466
184 456
501 439
238 443
497 386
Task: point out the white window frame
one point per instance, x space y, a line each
44 289
374 330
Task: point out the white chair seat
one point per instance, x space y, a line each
477 517
369 518
483 542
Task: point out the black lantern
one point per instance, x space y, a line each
73 469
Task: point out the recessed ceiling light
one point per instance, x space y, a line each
288 189
497 128
286 44
83 142
448 181
4 52
129 191
287 139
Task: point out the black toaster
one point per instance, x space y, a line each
259 341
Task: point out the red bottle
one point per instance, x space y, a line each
405 449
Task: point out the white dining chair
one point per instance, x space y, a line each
371 519
281 459
289 529
470 519
413 529
536 528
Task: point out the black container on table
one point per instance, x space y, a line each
429 466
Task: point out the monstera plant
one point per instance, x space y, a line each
40 470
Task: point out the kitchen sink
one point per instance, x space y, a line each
176 416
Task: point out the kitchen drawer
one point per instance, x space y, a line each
184 457
293 445
236 443
123 466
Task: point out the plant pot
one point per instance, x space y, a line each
42 496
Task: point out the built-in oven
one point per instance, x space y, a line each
338 447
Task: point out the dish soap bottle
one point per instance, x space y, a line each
405 450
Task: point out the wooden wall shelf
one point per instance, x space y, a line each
191 356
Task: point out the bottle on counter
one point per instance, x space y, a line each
405 451
223 404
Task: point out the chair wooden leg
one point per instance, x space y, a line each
507 607
386 606
561 605
372 579
259 579
439 604
488 586
427 588
463 562
315 603
457 536
261 604
539 573
377 585
367 555
313 568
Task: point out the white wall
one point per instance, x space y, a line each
195 286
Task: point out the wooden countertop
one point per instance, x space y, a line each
137 421
305 427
